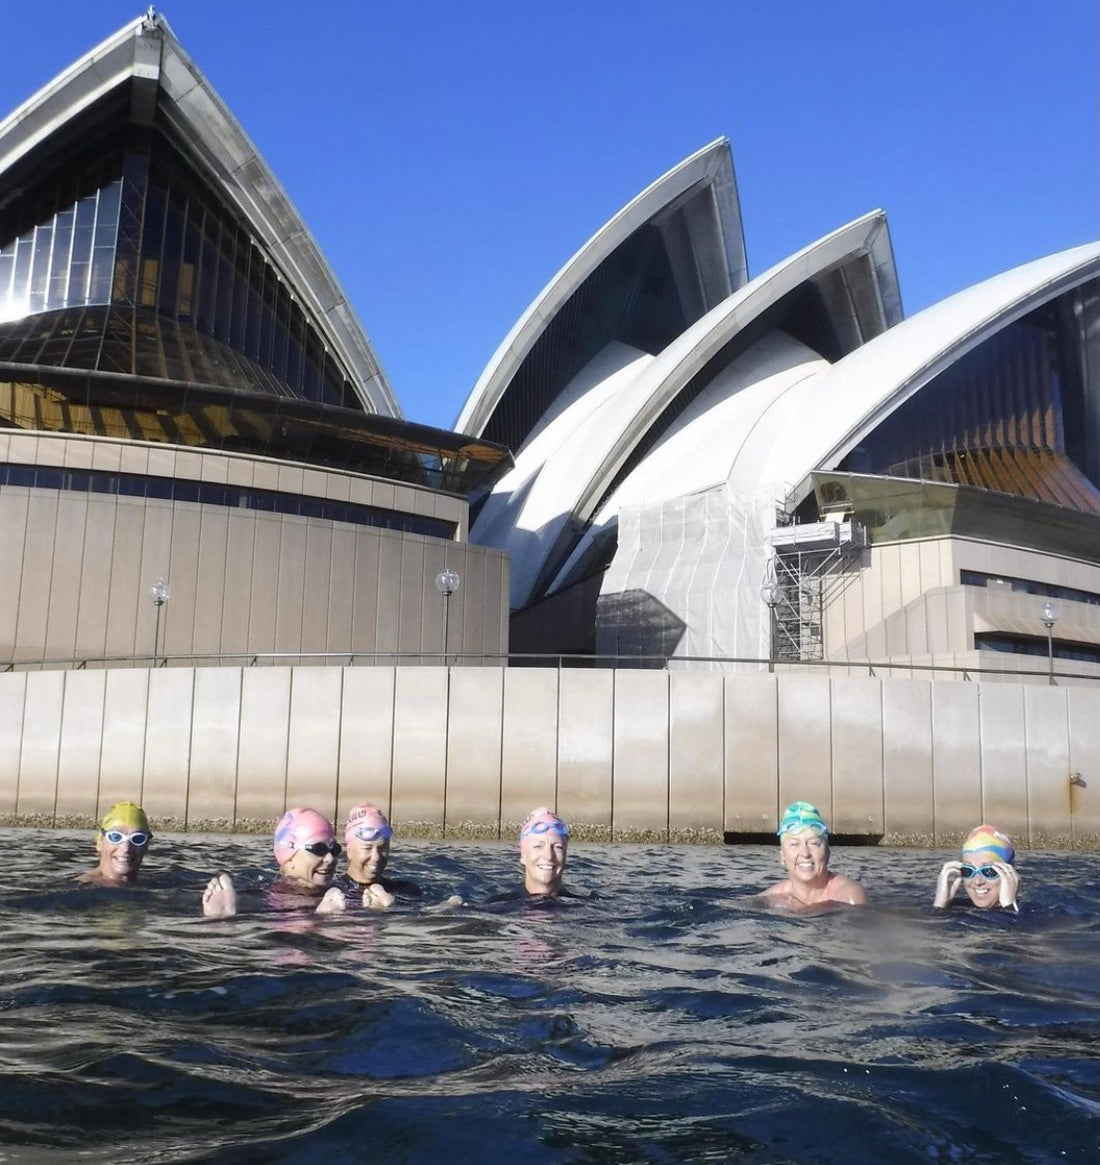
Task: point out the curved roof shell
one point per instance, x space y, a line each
147 53
834 412
695 209
673 422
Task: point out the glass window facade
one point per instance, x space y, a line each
212 494
1012 415
192 297
976 578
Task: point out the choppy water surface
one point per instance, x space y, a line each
668 1020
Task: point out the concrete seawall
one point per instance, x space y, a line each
624 755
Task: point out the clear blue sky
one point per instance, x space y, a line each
449 158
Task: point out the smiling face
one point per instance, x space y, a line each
120 861
314 871
366 859
543 856
984 892
805 856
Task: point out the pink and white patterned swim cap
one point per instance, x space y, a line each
298 827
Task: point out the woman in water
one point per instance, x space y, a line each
804 852
306 850
985 872
122 841
367 837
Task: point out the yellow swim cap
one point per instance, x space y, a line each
125 815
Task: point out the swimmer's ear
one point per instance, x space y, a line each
99 843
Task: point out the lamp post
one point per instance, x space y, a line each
770 593
1049 617
447 582
160 592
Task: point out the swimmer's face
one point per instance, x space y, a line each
119 861
367 859
805 855
984 892
543 856
316 870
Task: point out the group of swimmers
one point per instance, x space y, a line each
306 852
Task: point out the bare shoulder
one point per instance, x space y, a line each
843 889
781 890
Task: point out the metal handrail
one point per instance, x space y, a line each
552 659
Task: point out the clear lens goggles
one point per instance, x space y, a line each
987 872
139 839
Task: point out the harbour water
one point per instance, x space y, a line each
668 1019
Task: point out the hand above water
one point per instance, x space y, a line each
948 883
376 897
1009 884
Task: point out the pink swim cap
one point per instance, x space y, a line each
368 823
542 820
298 827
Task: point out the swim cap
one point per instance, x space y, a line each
125 815
542 820
802 815
367 823
985 837
298 827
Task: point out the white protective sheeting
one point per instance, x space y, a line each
703 447
702 557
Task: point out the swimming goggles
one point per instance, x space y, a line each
139 839
797 824
319 848
558 827
369 833
987 872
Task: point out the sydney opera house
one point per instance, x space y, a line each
712 469
186 396
760 517
708 468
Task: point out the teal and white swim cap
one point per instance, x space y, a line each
802 815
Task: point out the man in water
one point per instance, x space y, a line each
122 842
306 850
367 837
804 852
985 872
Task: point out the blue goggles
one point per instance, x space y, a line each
988 872
369 833
558 827
795 824
138 839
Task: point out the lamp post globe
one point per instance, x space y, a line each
160 592
447 582
1049 616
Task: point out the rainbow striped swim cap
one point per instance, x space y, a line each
298 827
985 837
802 815
125 815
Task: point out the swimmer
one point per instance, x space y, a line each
367 837
543 850
985 872
804 852
306 850
122 842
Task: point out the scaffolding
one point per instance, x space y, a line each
806 559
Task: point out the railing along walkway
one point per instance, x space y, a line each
531 659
